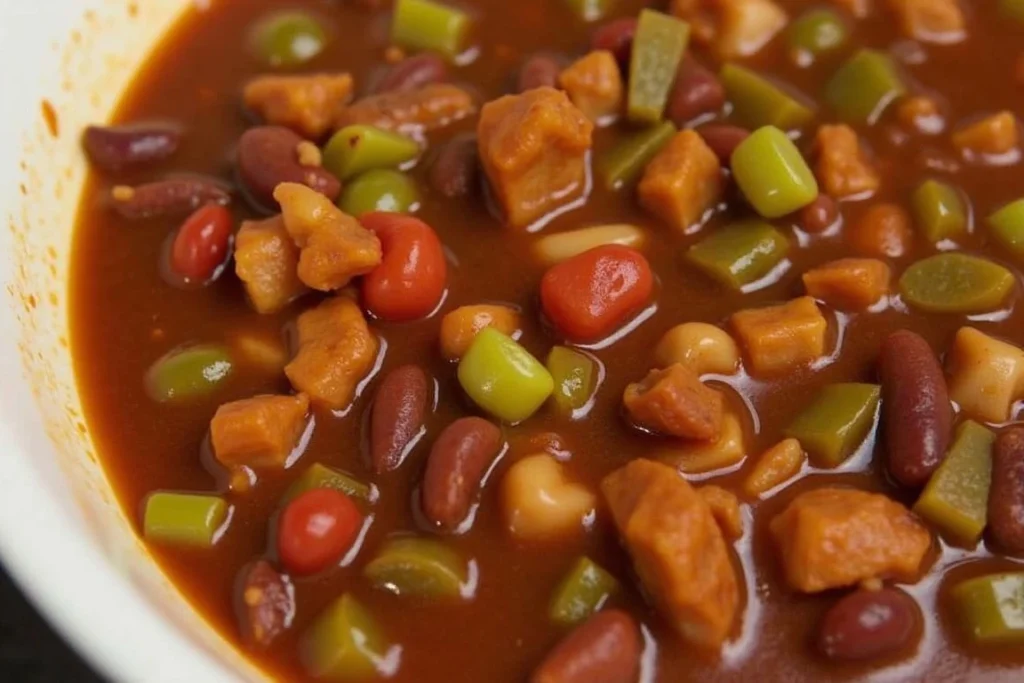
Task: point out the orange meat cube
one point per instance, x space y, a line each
337 350
306 103
677 549
533 148
733 28
781 338
995 135
594 84
851 283
842 167
725 508
675 402
266 261
683 182
335 247
411 111
258 432
933 21
835 537
883 230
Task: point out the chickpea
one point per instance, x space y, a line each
540 503
460 327
698 457
704 348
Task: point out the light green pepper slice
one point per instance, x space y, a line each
956 497
503 378
739 253
863 87
939 211
832 427
658 47
772 174
1014 9
955 283
189 372
1007 225
288 38
815 33
359 148
758 102
418 567
623 163
574 374
319 476
991 608
581 593
184 518
344 643
379 190
427 25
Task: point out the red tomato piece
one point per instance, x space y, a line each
589 296
202 243
316 529
410 281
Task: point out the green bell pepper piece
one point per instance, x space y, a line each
1007 225
832 427
359 148
344 643
418 567
863 87
658 47
381 189
955 283
1013 9
184 518
956 497
739 253
187 373
581 593
758 102
503 378
319 476
939 211
815 33
991 608
288 38
623 163
574 374
772 174
427 25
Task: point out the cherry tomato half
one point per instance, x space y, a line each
316 529
202 243
410 281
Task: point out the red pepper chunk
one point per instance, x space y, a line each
591 295
410 281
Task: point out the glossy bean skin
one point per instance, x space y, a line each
616 36
723 139
538 71
410 281
202 244
457 463
268 156
414 72
265 603
696 92
168 198
916 409
118 148
456 169
604 649
398 413
867 625
819 215
1006 496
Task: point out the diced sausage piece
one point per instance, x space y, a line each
725 507
986 375
683 181
533 148
733 28
594 84
677 549
267 603
306 103
781 338
336 351
851 284
258 432
931 21
842 168
674 401
266 261
995 135
411 111
834 537
335 247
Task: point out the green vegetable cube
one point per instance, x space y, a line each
772 174
319 476
834 425
991 608
344 643
428 25
956 283
581 593
188 373
624 162
740 253
658 47
503 378
575 375
287 39
816 32
863 87
1007 225
381 189
184 518
939 211
359 148
418 566
757 102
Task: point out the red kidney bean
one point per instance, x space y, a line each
410 281
115 148
1006 497
604 649
819 215
696 92
723 139
869 625
456 169
266 603
170 197
537 72
457 463
316 529
414 72
202 244
917 416
616 36
396 419
268 156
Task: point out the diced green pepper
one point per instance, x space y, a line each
939 211
816 32
418 567
319 476
288 38
379 190
582 593
188 373
863 87
758 102
956 497
1014 9
624 162
427 25
955 283
658 47
590 10
574 374
1007 225
832 427
359 148
184 518
503 378
991 608
739 253
772 174
344 643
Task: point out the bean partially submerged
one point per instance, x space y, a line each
167 198
604 649
118 148
458 461
1006 495
268 156
867 625
398 413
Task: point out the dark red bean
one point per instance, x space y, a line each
723 139
458 461
414 72
1006 497
869 625
396 421
456 169
819 215
604 649
268 156
537 72
696 92
266 603
202 244
116 148
617 37
171 197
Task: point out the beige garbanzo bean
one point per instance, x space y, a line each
699 346
560 246
540 502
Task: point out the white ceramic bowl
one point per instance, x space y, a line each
62 535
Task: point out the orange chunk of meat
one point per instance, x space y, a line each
732 28
883 230
335 247
781 338
683 182
533 147
996 134
674 401
415 111
851 284
337 350
835 537
677 549
725 508
266 261
258 432
306 103
930 21
594 84
922 114
842 168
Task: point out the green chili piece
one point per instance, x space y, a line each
939 211
758 102
863 87
658 47
359 148
1007 225
623 163
344 643
381 189
832 427
319 476
288 38
956 497
427 25
503 378
419 567
574 374
1014 9
184 518
739 253
581 593
955 283
815 33
991 608
772 174
189 372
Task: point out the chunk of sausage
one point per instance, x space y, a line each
258 432
851 284
834 537
996 134
675 402
533 149
677 549
931 21
411 111
267 603
842 167
781 338
266 261
594 84
732 28
307 103
683 182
